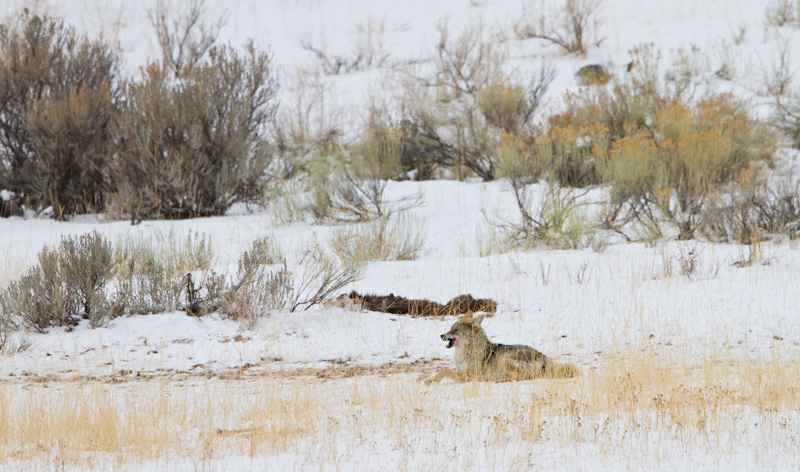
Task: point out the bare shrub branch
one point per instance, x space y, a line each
461 65
553 218
355 189
469 63
785 101
568 25
186 35
321 277
782 12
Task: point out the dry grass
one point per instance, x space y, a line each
398 239
672 403
177 252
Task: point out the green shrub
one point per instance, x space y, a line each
57 102
195 146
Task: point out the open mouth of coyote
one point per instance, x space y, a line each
450 340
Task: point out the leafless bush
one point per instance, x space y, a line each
465 136
320 277
454 113
461 65
311 120
352 197
688 260
57 94
459 140
555 219
778 82
424 151
754 254
511 108
755 209
469 63
731 218
785 101
263 284
365 56
185 35
368 51
782 12
195 147
787 118
355 189
777 204
569 25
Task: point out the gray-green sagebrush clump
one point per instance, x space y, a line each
262 284
196 145
73 282
66 285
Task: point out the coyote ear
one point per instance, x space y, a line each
477 321
467 316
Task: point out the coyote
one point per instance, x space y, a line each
479 359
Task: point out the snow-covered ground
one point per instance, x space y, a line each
571 303
337 389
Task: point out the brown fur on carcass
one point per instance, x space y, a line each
420 307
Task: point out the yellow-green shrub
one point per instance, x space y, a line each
684 155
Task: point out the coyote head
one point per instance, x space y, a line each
464 331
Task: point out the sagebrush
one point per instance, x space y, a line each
58 96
